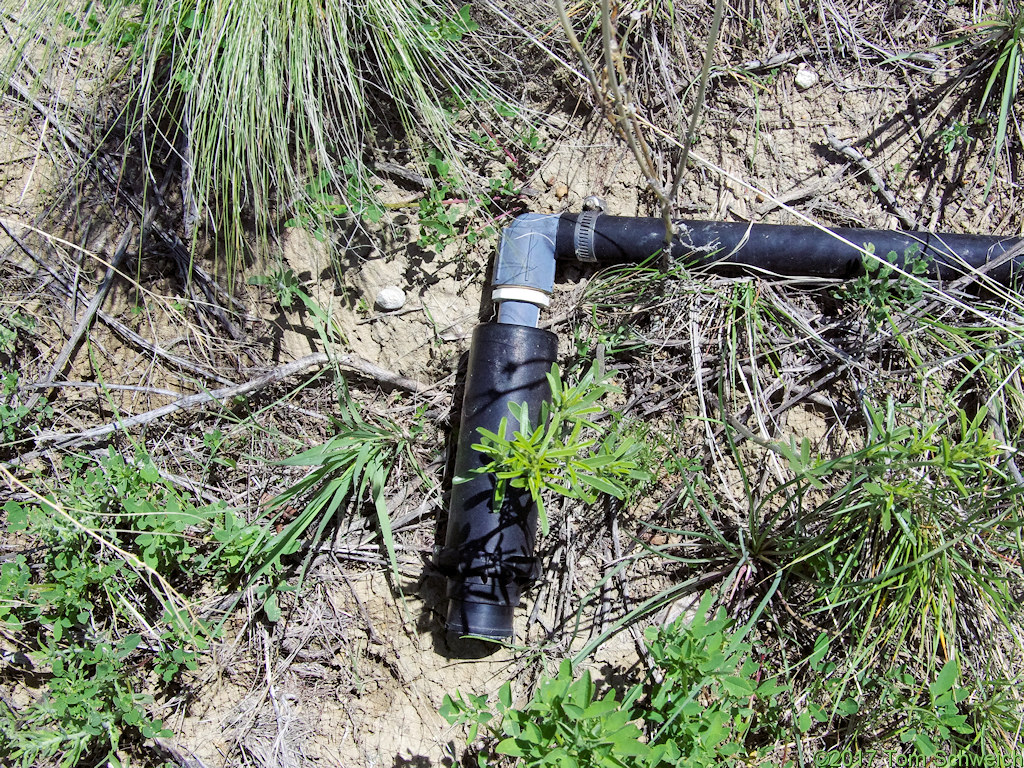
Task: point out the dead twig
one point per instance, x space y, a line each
280 373
115 325
177 754
371 633
611 513
847 150
83 324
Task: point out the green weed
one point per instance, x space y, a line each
18 421
953 136
10 325
563 724
996 71
94 600
695 708
711 698
350 468
909 552
283 283
289 291
319 206
449 206
568 452
91 705
882 287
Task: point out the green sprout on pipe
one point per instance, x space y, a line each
572 451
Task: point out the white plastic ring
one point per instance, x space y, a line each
518 293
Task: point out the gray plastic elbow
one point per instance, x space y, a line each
524 270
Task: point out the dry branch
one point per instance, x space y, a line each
273 376
845 149
114 324
83 324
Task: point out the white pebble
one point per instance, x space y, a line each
390 298
805 77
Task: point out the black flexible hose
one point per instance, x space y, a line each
792 250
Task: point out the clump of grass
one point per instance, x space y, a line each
258 97
916 550
994 74
351 467
881 515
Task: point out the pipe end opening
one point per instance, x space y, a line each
487 620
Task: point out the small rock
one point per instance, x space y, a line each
805 77
390 298
561 191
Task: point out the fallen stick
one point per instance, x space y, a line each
846 150
114 324
351 362
83 325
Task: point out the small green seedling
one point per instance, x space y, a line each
882 286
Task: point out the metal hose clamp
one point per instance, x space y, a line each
583 236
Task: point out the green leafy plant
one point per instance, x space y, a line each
940 717
909 547
215 442
563 724
451 205
319 207
567 451
438 219
10 325
284 284
932 717
94 601
350 468
882 287
710 699
696 708
952 136
705 660
289 291
17 419
995 71
91 702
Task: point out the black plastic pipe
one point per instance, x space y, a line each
792 251
489 552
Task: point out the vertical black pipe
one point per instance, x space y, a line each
489 552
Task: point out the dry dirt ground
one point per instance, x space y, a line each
355 671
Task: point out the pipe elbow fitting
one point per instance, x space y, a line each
524 269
